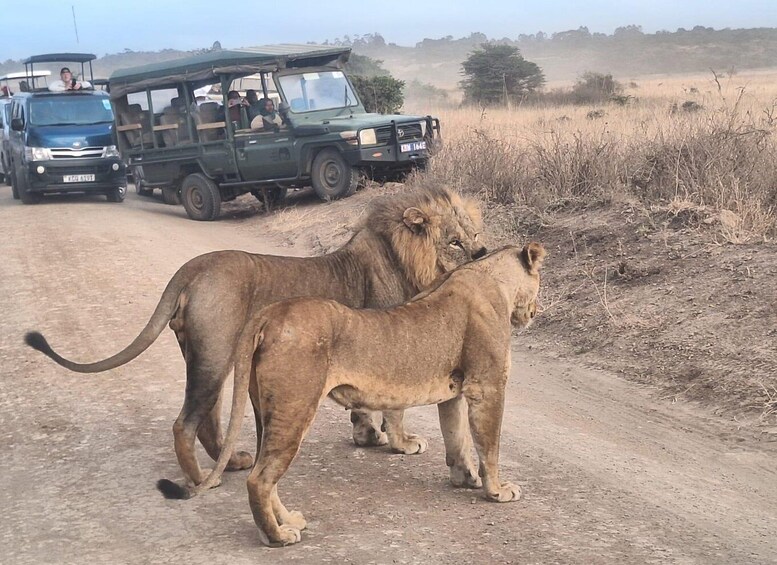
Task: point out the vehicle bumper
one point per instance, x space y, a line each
52 177
386 156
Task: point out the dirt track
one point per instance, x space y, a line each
610 475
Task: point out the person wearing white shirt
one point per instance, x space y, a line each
67 82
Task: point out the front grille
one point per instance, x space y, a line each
405 132
69 153
102 169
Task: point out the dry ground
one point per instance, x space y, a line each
611 472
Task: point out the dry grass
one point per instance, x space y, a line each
702 142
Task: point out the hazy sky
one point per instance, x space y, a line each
110 26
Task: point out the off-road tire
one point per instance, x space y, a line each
25 195
201 197
171 195
116 194
275 195
12 181
142 191
332 177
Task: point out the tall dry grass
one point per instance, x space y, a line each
691 142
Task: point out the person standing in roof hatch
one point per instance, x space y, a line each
67 82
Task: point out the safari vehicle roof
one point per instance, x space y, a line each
60 58
25 74
207 68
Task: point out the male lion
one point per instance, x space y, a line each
449 345
405 242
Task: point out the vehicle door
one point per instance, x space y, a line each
266 155
16 138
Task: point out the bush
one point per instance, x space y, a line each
382 94
595 88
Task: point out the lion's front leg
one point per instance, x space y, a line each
400 441
458 443
486 408
367 430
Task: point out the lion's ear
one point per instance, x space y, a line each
415 219
533 255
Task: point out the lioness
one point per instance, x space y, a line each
404 243
449 345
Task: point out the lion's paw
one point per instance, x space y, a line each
411 444
369 437
287 536
508 492
295 519
240 460
464 477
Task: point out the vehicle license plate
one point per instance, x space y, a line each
415 146
78 178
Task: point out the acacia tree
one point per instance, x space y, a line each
377 89
498 74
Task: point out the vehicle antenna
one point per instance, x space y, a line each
75 26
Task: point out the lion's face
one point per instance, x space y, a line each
458 240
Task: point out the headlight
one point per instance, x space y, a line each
368 137
37 153
111 151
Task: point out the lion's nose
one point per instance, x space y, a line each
479 253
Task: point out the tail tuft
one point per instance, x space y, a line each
37 341
172 491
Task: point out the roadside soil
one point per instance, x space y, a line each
613 469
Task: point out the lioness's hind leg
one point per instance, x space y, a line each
400 441
282 433
367 430
458 443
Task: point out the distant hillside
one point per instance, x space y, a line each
563 56
628 52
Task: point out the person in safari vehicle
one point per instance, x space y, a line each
67 82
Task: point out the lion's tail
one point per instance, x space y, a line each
248 343
165 310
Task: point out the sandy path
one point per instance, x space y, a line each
609 474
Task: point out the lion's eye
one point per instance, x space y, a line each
457 243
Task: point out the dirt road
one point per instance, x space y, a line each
609 474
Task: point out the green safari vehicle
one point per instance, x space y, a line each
203 150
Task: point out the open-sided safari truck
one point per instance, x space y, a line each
203 152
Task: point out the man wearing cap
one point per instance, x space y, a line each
67 82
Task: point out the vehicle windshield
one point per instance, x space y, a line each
70 110
326 90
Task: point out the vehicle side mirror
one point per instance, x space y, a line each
283 108
17 124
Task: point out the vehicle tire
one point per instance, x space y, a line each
141 190
25 195
332 177
116 194
201 197
276 196
170 195
12 181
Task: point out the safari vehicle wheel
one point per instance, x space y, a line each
332 177
25 195
275 196
14 190
171 196
117 194
201 197
141 190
